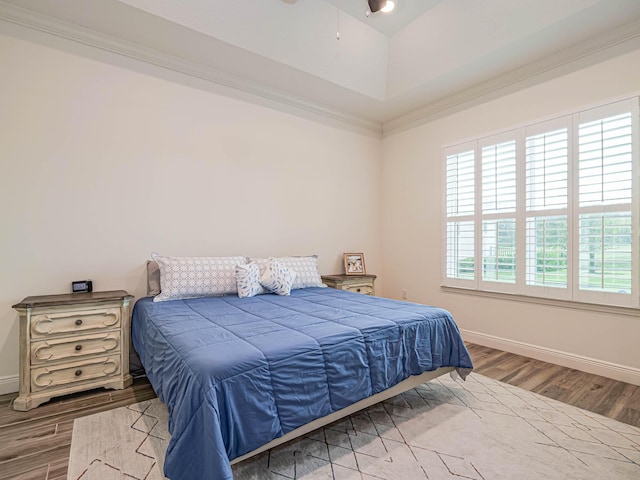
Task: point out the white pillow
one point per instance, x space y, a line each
277 278
306 269
189 277
248 280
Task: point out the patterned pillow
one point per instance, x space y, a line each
189 277
277 278
306 269
248 280
263 263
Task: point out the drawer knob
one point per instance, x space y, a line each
79 322
78 373
358 290
78 348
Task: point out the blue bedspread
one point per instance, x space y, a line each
235 373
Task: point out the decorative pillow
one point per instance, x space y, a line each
306 269
189 277
263 263
153 278
277 278
248 280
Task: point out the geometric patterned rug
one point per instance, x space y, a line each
481 429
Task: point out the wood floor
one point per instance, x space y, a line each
35 445
613 399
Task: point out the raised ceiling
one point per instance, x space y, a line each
384 71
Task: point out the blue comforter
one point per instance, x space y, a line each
235 373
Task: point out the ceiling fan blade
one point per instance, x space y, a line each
376 5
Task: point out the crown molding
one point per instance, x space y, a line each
597 49
88 37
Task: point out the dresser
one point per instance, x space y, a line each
354 283
72 342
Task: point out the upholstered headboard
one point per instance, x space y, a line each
153 278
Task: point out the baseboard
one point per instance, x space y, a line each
557 357
9 384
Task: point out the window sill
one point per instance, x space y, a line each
592 307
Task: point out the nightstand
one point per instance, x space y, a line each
72 342
353 283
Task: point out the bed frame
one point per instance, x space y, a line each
403 386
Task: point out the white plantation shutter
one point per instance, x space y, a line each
499 177
459 215
498 193
460 250
605 252
499 250
547 198
604 161
549 210
547 170
461 183
605 200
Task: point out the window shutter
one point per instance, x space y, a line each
460 212
547 170
605 181
460 184
605 161
499 178
498 183
547 196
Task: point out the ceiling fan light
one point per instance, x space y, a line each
388 6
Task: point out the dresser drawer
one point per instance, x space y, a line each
82 371
74 347
43 325
366 289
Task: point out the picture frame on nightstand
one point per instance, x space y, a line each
354 264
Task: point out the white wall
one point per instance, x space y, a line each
100 166
412 193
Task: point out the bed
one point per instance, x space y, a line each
240 375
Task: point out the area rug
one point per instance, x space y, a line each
480 429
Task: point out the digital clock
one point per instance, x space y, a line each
82 286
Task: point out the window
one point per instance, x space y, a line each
548 210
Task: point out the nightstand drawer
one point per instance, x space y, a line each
366 289
65 374
67 322
46 351
363 284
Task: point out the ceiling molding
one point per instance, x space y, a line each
53 26
597 49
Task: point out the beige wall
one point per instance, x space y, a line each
100 166
412 194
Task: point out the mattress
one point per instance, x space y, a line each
235 373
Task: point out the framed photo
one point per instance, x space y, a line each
354 264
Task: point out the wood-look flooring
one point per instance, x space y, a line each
35 445
611 398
